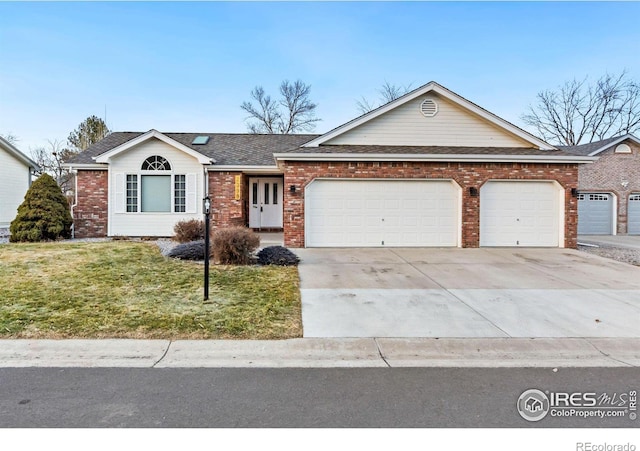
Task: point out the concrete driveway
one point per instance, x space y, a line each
497 292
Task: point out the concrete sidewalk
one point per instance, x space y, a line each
324 353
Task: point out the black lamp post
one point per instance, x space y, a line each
207 212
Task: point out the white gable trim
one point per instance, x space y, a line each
614 143
458 158
106 157
453 97
13 150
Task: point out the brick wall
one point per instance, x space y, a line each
227 211
466 175
90 215
608 174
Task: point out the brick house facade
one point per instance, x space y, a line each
466 175
430 134
615 172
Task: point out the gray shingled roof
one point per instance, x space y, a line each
257 150
226 149
587 149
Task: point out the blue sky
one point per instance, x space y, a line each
182 66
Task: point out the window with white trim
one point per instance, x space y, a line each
155 189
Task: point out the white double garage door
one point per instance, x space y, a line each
419 213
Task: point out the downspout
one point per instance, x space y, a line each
75 202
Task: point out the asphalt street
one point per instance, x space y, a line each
299 397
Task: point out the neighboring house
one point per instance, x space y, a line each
16 170
428 169
609 190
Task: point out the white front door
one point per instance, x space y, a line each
265 202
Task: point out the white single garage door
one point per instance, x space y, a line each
633 214
520 213
595 214
376 213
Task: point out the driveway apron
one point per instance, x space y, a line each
458 293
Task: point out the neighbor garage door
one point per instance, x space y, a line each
375 213
519 214
633 215
595 214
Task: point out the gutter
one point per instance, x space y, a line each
471 158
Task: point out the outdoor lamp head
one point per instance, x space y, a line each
207 205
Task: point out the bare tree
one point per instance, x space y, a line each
387 92
579 112
50 160
10 138
293 113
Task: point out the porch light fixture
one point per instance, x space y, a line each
292 189
574 192
206 207
473 191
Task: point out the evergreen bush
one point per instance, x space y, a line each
44 215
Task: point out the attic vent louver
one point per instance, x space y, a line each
200 140
623 148
429 108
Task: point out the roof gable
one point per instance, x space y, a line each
393 116
152 134
595 148
13 151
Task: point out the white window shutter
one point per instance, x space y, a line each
119 197
192 193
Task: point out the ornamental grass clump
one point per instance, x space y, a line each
189 230
44 215
234 246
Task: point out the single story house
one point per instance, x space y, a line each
609 190
430 168
16 171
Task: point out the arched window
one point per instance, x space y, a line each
156 163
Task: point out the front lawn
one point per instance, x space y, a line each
129 290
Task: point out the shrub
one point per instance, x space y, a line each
193 250
277 255
187 231
234 246
44 214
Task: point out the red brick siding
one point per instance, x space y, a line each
227 211
466 175
90 215
607 174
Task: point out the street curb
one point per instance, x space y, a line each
324 353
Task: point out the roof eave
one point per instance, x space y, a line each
456 158
257 169
15 152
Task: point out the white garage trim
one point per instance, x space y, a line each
522 213
368 212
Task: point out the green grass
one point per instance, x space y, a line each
129 290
